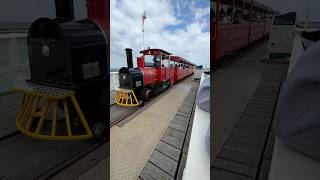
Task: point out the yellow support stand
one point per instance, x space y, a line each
126 97
31 108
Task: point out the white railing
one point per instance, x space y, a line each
14 66
114 80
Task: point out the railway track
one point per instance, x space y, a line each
22 157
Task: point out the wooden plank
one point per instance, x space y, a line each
265 93
219 174
257 104
182 165
268 151
181 120
271 97
187 140
239 157
250 150
151 172
168 150
271 139
255 113
247 134
269 90
265 168
261 130
186 110
183 114
175 133
178 127
259 142
84 164
164 162
28 158
259 109
261 103
187 105
235 167
255 117
262 99
172 141
254 122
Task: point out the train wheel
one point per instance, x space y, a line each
146 94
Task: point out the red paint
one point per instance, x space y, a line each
99 12
163 72
227 37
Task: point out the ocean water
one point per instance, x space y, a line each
14 27
14 66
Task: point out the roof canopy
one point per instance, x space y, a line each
149 50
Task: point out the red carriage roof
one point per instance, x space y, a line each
147 50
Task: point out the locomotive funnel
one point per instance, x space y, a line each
129 57
64 9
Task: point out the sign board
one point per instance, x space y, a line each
281 36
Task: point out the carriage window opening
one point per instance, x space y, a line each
151 60
171 63
165 60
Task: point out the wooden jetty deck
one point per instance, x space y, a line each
169 157
23 157
246 93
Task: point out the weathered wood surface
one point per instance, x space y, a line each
169 157
9 106
247 151
22 157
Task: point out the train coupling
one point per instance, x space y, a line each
126 97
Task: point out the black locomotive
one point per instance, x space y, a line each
71 54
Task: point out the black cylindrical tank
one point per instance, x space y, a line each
67 54
129 57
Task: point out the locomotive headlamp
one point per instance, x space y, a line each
45 50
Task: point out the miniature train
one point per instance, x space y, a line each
156 70
236 24
73 54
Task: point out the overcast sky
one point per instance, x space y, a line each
178 26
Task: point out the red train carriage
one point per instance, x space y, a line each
236 24
182 68
156 70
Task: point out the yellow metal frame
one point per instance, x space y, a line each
126 97
31 103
